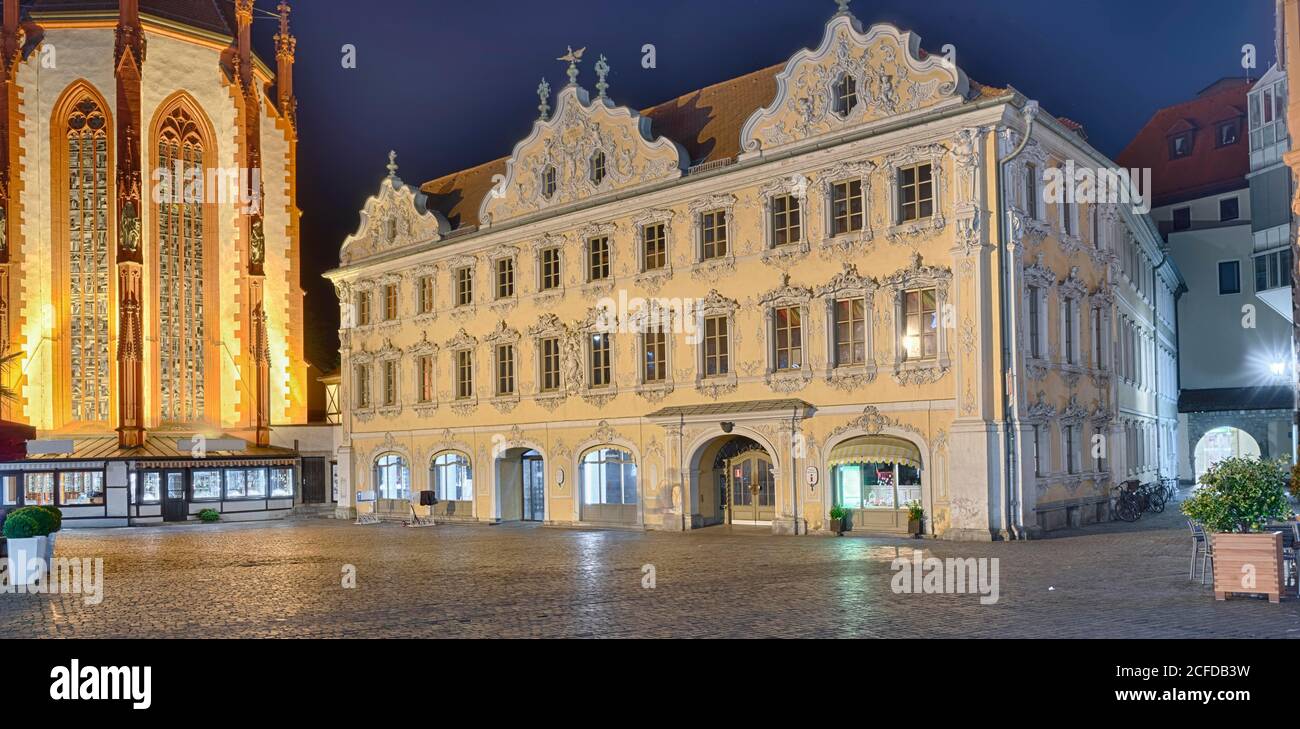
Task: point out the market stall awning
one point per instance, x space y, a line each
875 449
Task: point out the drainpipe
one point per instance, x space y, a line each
1013 527
794 475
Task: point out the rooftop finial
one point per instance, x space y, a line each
844 6
392 164
574 58
602 70
544 93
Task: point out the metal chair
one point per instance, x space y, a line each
1200 544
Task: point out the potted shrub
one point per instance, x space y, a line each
915 518
839 515
27 535
1238 499
49 520
209 515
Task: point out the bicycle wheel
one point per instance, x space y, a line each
1158 500
1126 509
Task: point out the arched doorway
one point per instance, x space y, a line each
521 485
734 482
1221 443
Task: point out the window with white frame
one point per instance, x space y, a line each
1070 446
654 245
1070 330
424 378
598 253
424 299
654 353
390 302
850 332
847 207
548 265
363 308
713 235
600 371
452 477
464 277
716 346
390 382
920 324
361 385
786 220
787 329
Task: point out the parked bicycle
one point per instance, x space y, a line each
1130 501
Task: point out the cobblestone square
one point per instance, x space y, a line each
284 579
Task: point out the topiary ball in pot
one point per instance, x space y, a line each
56 513
21 526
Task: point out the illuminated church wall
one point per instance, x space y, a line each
186 72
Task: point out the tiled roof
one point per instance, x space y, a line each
1236 398
1209 169
211 15
706 122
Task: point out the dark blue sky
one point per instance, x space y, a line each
450 84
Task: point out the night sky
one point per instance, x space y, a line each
452 84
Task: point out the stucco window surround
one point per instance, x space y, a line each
653 279
604 322
1073 438
845 92
919 276
1100 304
1027 198
716 305
423 349
502 305
379 305
726 204
796 187
365 314
425 310
798 298
653 317
589 234
502 335
363 384
462 343
900 231
455 268
384 358
848 286
1039 280
1072 292
829 178
547 296
548 327
1039 416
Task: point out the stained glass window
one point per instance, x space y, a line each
88 265
180 271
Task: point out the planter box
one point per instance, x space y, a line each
1248 563
21 553
836 526
914 527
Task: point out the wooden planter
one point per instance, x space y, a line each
837 526
1248 563
914 527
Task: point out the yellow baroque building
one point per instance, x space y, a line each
841 281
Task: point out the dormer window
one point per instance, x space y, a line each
1180 145
548 182
1227 133
597 168
846 95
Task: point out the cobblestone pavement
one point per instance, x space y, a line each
283 579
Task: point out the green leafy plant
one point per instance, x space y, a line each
56 514
839 512
1295 480
915 512
47 519
1240 495
209 515
22 526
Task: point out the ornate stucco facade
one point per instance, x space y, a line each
135 311
844 276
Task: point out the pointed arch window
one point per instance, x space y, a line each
89 304
181 250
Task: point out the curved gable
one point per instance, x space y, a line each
884 63
566 143
393 218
